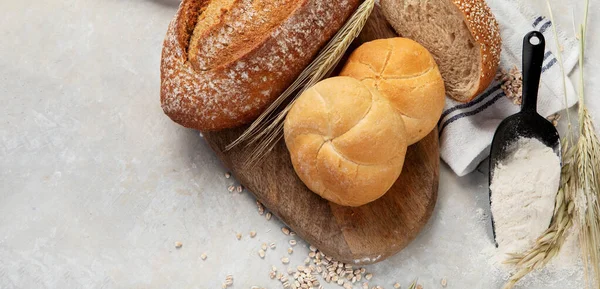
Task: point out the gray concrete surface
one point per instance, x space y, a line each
96 184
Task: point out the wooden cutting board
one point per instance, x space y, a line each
361 235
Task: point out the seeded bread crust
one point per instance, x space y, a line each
224 61
480 22
486 32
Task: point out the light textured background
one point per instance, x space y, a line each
96 184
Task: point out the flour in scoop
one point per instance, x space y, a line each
524 187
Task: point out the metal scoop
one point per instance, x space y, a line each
526 123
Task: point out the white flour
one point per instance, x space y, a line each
524 187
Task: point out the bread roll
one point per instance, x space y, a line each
462 35
225 61
405 73
346 142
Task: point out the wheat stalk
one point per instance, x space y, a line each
588 210
588 177
578 196
562 71
267 129
413 285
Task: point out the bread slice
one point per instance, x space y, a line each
462 35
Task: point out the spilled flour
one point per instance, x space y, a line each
524 187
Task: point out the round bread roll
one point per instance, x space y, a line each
346 142
406 74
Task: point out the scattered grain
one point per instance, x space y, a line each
397 285
268 216
290 250
444 282
231 188
554 118
240 189
203 256
261 253
227 175
512 84
238 236
228 280
264 246
293 242
178 245
252 234
272 246
260 207
285 231
285 260
369 276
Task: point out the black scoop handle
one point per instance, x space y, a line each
533 58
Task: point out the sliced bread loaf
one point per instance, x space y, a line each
462 35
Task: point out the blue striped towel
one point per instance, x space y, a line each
466 129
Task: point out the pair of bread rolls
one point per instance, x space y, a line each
348 135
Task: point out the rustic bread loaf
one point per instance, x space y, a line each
346 141
405 73
462 35
224 61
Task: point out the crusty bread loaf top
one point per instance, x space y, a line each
224 61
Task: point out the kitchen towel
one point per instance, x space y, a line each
466 129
